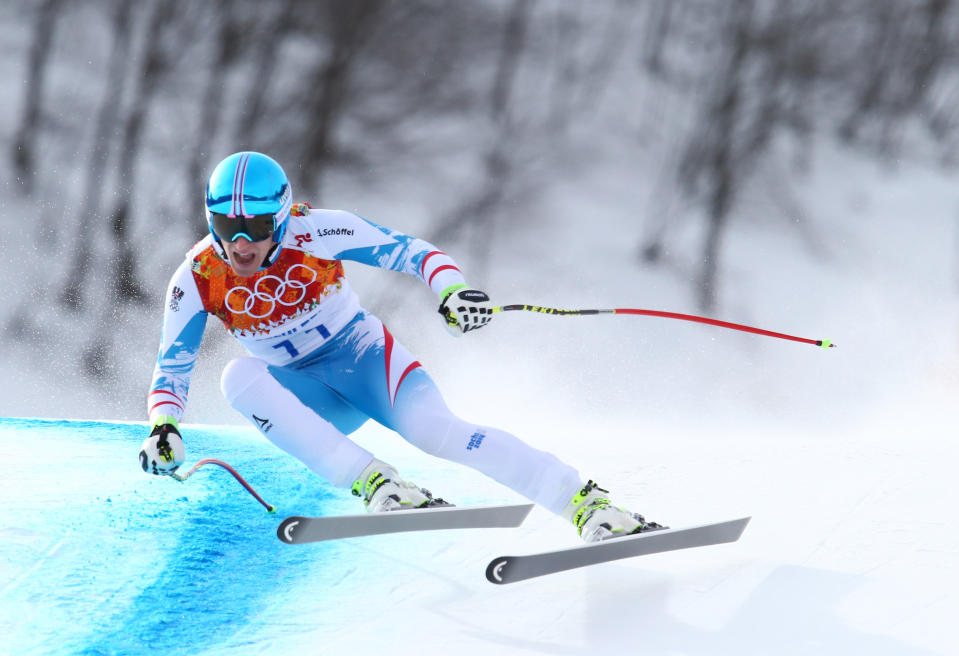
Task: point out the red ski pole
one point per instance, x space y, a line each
236 475
824 343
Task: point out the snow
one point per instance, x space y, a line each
844 458
850 550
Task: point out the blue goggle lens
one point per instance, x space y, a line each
255 228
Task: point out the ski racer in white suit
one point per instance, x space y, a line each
320 365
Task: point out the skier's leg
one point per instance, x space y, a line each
422 417
283 403
384 381
254 391
379 377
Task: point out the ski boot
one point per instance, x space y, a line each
383 490
596 518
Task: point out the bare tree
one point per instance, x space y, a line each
482 203
906 49
713 158
96 171
356 86
349 25
274 28
161 45
232 24
658 28
37 67
777 66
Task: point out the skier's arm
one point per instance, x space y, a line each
353 238
350 237
183 323
184 320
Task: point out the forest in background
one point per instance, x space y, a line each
119 109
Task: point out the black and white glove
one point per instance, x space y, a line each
163 451
465 310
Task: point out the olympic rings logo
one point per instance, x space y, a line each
273 297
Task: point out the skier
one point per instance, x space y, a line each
320 365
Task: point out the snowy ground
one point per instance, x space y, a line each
843 457
851 551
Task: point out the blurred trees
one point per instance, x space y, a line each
343 85
868 71
36 73
108 117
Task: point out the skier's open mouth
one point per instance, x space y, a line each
240 258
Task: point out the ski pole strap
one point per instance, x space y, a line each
824 343
236 475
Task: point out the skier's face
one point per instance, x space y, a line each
247 256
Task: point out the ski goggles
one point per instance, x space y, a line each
258 227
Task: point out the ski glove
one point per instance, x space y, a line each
163 451
465 310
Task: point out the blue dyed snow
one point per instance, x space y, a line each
97 557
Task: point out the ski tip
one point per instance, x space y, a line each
286 531
495 570
526 509
736 528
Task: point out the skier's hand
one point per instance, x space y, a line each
163 451
466 309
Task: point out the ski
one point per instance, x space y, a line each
509 569
301 530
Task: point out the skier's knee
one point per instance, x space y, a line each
239 374
426 434
432 435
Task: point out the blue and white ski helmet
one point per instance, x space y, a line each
249 184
